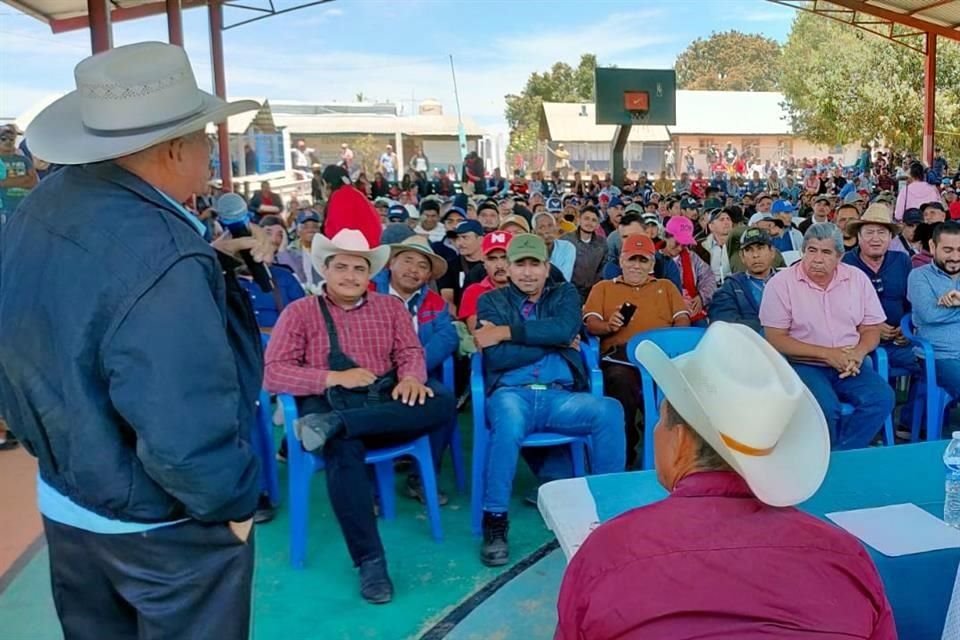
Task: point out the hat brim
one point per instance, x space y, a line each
322 248
789 474
57 133
438 265
853 227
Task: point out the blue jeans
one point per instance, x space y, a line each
872 399
948 376
902 357
513 413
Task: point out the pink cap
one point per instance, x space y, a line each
681 228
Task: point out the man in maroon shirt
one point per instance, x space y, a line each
373 345
740 439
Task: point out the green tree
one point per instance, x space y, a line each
562 83
843 85
730 61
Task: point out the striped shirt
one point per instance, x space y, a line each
376 334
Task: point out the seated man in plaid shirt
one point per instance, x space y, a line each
354 362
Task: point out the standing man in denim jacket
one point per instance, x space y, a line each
535 381
130 360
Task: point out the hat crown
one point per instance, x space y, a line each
878 213
350 240
231 207
728 369
136 87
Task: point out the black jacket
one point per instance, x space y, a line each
129 365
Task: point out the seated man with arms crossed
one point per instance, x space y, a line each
825 317
655 304
726 555
738 300
535 381
345 345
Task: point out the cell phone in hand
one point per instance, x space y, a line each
627 309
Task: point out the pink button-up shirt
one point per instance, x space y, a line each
712 561
913 196
824 317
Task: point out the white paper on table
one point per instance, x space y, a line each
898 529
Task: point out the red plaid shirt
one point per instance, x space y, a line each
377 334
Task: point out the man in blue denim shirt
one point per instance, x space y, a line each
934 292
536 381
130 362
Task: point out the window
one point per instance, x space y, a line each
703 144
785 147
751 146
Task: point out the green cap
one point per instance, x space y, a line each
527 245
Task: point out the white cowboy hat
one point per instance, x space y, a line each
748 403
352 243
127 99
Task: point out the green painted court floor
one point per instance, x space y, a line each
322 600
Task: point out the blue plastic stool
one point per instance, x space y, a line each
674 341
481 440
301 466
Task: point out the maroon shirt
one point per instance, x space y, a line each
377 334
711 561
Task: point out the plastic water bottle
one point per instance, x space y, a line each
951 501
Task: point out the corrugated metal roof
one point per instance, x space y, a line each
736 113
577 122
419 125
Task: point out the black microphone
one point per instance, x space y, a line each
236 224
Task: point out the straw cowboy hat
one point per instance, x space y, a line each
438 265
877 213
748 403
127 99
348 242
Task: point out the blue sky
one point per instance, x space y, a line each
395 50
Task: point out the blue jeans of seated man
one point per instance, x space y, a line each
870 395
513 413
901 357
948 376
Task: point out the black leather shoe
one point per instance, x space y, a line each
314 429
265 510
375 585
495 552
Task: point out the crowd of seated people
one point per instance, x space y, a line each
372 295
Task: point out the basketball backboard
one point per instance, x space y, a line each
635 96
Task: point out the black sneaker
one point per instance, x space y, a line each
375 585
415 490
314 429
494 552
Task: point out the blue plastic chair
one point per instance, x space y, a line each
579 445
456 447
301 465
936 398
261 439
674 341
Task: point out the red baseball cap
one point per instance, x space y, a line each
496 240
638 244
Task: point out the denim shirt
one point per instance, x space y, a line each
936 324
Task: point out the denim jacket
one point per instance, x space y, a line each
130 362
558 323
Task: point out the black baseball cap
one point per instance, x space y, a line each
912 216
755 235
689 203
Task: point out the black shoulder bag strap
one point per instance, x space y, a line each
338 360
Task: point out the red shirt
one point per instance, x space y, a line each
377 334
712 561
468 302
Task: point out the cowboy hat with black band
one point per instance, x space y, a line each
127 99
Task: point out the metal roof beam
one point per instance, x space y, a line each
900 18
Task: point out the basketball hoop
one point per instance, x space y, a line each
639 117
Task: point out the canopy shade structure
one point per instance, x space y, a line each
69 15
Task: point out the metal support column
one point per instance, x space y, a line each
101 31
929 98
174 22
619 143
215 11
